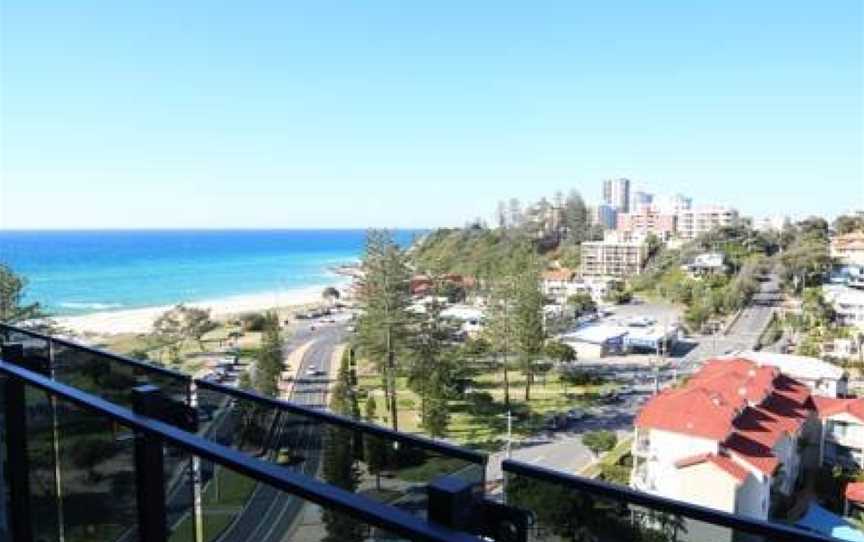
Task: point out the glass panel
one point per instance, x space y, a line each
34 347
110 378
97 477
4 488
374 465
44 504
564 513
236 508
179 495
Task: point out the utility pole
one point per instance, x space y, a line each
509 433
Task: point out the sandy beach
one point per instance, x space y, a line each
141 320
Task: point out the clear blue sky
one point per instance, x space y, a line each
374 113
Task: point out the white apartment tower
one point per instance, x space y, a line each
616 192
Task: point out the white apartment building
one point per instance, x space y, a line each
608 258
616 192
848 303
733 438
824 379
842 441
559 284
693 222
848 248
673 204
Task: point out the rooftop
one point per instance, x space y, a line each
745 407
829 406
805 367
723 462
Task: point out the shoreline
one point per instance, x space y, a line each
140 320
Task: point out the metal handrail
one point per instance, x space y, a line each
443 448
144 366
372 512
773 531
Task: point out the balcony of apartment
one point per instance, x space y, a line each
846 434
99 447
641 444
641 478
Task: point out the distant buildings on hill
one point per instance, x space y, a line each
616 193
629 217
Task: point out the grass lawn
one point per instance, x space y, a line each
479 420
227 488
610 458
214 524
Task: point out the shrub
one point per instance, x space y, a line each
599 441
253 321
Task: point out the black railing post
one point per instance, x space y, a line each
17 465
149 469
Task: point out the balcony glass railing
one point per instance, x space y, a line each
391 467
566 508
260 469
102 474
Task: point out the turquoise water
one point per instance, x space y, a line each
78 272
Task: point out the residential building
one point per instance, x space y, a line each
848 303
674 204
640 200
616 192
559 284
848 248
734 437
824 379
619 259
842 441
705 264
647 220
848 274
693 222
771 223
606 215
423 285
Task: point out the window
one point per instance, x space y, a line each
838 429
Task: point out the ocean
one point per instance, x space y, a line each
80 272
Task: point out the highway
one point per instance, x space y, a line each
270 515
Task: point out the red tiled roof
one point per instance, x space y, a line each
674 411
745 407
855 492
753 453
723 462
563 274
828 406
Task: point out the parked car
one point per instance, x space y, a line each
286 458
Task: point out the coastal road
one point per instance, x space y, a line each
743 334
270 515
563 449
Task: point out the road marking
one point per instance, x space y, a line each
291 365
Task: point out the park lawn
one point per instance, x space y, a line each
479 424
193 356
